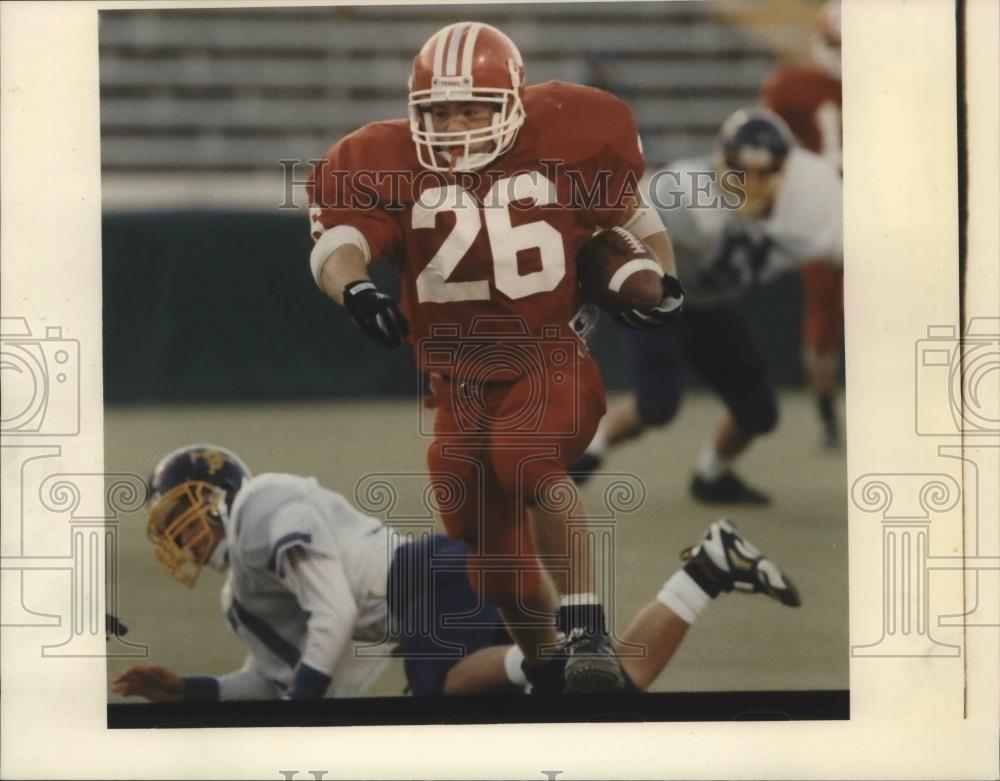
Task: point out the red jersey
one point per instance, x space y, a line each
497 243
810 100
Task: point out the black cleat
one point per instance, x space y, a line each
584 467
727 489
725 560
546 679
592 666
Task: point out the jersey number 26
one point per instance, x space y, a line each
505 240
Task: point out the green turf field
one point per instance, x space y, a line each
740 642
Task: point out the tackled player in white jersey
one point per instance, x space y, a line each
311 579
306 572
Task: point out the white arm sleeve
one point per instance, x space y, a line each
644 222
332 240
322 589
247 683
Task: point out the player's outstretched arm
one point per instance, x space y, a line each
344 278
322 590
152 682
158 684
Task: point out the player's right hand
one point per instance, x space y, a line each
157 684
376 314
669 308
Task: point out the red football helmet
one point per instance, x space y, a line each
466 61
826 41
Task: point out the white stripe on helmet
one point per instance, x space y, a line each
440 41
458 31
470 49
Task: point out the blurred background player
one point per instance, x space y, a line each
809 97
470 260
788 213
309 576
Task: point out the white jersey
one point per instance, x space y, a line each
720 255
307 576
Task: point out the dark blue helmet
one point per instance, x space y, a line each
191 492
201 463
755 138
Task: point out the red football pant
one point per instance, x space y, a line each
496 453
823 307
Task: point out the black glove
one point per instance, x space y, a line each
376 314
668 309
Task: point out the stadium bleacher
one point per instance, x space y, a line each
234 90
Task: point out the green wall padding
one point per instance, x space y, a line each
210 306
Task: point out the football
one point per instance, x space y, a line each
618 272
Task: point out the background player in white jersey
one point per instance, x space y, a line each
809 97
310 576
789 214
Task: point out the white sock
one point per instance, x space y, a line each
598 445
512 666
710 464
682 595
583 598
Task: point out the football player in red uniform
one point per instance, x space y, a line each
808 96
482 199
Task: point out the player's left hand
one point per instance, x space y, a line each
668 309
376 314
157 684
